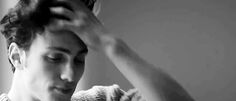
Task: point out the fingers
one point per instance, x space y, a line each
128 95
65 18
77 26
76 12
137 97
75 5
78 19
70 15
82 11
132 95
61 11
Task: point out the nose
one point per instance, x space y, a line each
68 73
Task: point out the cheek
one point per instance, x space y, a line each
79 72
40 74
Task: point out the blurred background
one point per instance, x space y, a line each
193 40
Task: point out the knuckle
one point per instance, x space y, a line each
57 10
79 22
60 9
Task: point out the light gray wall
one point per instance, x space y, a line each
193 40
5 72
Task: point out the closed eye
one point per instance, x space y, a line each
55 58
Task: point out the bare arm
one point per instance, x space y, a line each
151 81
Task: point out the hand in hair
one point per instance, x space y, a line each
80 20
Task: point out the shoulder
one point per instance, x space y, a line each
99 93
3 97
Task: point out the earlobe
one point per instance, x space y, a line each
16 56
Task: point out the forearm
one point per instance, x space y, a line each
152 82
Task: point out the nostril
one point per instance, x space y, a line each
67 77
68 74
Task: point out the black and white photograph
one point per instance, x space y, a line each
117 50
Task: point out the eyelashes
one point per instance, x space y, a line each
60 59
55 58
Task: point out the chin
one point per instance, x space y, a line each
53 96
58 98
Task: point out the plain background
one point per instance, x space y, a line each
193 40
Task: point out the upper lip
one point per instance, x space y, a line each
64 89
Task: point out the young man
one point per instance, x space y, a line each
48 53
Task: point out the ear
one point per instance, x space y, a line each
97 7
16 56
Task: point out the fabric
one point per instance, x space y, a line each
99 93
4 97
96 93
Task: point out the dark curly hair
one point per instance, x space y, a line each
21 24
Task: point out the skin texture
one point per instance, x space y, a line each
40 76
153 82
55 60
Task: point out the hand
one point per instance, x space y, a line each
132 95
81 21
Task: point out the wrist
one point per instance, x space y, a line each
113 46
108 42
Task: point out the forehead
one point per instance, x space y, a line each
61 38
63 35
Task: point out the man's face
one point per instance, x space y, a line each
54 64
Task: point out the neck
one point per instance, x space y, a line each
18 91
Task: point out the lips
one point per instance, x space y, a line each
64 90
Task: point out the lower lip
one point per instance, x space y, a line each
64 92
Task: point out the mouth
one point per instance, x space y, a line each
64 91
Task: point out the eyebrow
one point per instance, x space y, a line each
83 51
